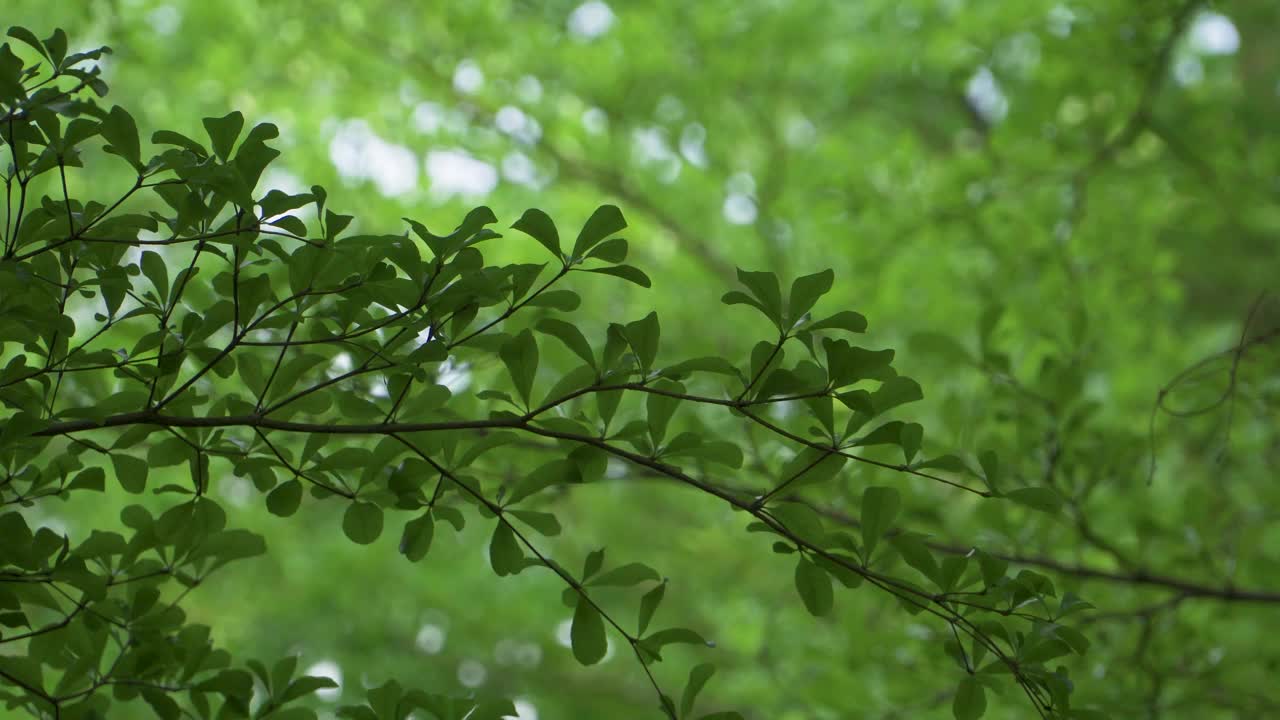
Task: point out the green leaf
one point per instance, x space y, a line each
362 522
284 500
814 585
626 272
950 463
894 392
659 408
805 291
563 300
545 523
1039 498
121 134
223 132
153 267
990 468
520 354
27 37
716 365
130 471
879 509
970 701
673 636
415 542
554 472
538 225
993 568
593 563
910 437
625 576
605 221
847 320
586 635
612 251
642 335
764 288
916 554
93 478
649 603
698 678
505 555
570 335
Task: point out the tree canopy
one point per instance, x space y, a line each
886 359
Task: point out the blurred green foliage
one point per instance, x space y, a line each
1063 214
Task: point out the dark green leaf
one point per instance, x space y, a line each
649 603
505 555
970 702
121 132
223 132
416 540
362 522
130 471
625 575
520 354
612 251
764 288
1040 498
570 335
814 585
538 225
698 678
847 320
805 291
879 509
586 635
626 272
605 221
285 498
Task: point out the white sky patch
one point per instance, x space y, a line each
360 154
693 139
329 669
986 96
591 20
1213 34
519 169
1188 70
235 490
650 145
514 122
467 77
799 131
1019 54
529 89
595 121
669 109
341 364
454 172
471 673
428 117
741 183
165 20
510 119
1060 20
430 639
525 710
456 378
740 209
563 630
